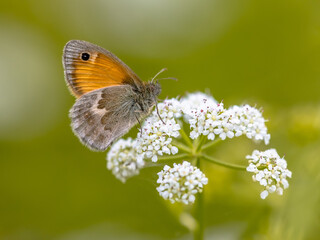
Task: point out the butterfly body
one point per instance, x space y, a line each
111 97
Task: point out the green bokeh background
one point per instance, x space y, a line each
248 51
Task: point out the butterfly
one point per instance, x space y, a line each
111 98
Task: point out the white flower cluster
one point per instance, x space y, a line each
213 120
249 121
181 183
156 136
123 159
208 120
269 170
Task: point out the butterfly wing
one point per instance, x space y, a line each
100 117
88 67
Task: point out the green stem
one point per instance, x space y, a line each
174 157
200 142
181 146
151 165
186 138
225 164
210 144
198 212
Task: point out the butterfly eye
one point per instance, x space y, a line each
85 56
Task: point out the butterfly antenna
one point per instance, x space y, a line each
171 78
161 71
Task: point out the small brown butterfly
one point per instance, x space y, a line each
111 98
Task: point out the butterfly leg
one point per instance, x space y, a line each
158 111
139 124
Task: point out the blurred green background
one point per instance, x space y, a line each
248 51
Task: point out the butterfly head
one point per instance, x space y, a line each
154 88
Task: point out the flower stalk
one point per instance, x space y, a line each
173 157
210 144
186 138
224 164
198 233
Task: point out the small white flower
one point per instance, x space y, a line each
269 170
264 194
123 159
181 183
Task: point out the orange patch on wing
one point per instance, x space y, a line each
97 72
